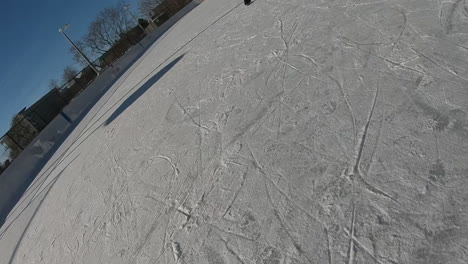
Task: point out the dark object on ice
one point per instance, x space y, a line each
247 2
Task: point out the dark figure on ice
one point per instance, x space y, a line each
247 2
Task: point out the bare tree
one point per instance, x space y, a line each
77 58
146 6
109 26
69 73
154 8
53 83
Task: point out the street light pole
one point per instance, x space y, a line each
62 30
127 7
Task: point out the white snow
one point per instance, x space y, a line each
283 132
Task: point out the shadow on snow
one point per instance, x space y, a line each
140 91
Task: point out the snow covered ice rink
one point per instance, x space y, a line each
299 131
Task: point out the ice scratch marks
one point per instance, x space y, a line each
379 133
186 112
405 20
277 215
231 250
244 176
283 79
287 45
103 196
375 190
450 18
288 198
213 256
393 64
348 105
361 246
290 66
443 65
355 171
350 254
329 246
169 160
282 65
231 233
261 113
362 140
354 174
340 87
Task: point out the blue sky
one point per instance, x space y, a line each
32 51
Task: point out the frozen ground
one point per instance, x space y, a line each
298 131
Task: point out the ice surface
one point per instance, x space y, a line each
292 131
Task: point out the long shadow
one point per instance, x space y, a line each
140 91
34 173
123 106
61 139
26 184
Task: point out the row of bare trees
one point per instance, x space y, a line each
111 26
146 6
68 73
151 8
113 23
113 29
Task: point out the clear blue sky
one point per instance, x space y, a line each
32 51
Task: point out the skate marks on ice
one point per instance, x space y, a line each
295 132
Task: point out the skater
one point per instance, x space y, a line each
247 2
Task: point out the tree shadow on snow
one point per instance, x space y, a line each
140 91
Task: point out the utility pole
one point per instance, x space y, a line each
62 30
